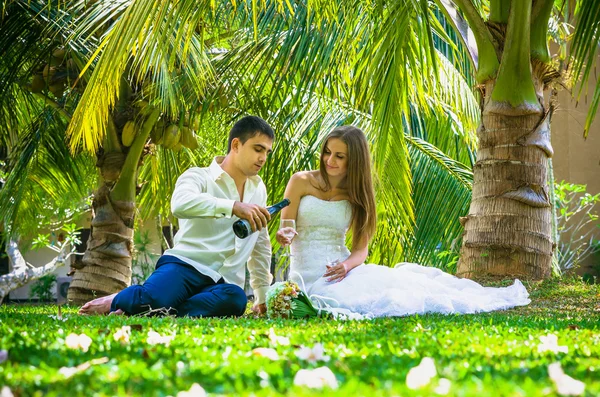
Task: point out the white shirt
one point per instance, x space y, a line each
203 202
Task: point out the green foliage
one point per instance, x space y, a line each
144 260
68 237
578 225
43 288
482 355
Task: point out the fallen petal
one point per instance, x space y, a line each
422 374
267 352
443 387
565 385
316 378
195 391
5 392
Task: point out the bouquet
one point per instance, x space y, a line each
286 300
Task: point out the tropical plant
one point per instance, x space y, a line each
307 67
169 80
48 46
376 58
43 287
578 224
144 260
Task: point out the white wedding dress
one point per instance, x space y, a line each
380 291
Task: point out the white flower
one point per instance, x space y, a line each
154 338
443 387
550 343
316 378
3 356
267 352
5 392
278 340
122 335
81 342
67 372
312 355
195 391
422 374
565 385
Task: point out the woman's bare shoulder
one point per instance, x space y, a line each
305 177
304 182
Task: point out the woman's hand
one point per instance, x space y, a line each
283 234
337 272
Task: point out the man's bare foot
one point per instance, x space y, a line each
98 306
117 312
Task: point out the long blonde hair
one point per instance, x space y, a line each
358 181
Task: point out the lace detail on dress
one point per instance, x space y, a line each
378 291
319 224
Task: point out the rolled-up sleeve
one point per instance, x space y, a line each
259 266
190 199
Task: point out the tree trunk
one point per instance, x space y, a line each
107 260
23 272
508 232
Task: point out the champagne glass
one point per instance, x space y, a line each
333 254
288 227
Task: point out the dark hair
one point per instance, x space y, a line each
248 127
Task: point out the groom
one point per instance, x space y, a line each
203 274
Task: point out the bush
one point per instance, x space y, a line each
577 224
43 288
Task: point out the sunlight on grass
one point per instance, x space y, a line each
503 353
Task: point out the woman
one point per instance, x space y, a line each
339 197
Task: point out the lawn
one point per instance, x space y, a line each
495 354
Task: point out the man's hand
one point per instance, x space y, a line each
259 309
255 214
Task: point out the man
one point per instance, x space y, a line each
203 274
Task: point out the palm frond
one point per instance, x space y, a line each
44 181
150 41
584 49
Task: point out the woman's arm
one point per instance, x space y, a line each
357 257
294 191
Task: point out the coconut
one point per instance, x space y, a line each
37 83
48 72
171 136
58 89
59 54
129 133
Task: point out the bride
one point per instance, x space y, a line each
339 196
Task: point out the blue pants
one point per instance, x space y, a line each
182 290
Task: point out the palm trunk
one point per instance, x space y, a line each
508 232
107 260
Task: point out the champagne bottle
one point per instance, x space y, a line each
242 227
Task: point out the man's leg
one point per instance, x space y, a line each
219 300
168 286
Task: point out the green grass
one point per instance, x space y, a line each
493 354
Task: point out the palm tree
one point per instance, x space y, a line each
43 85
509 227
304 123
377 57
